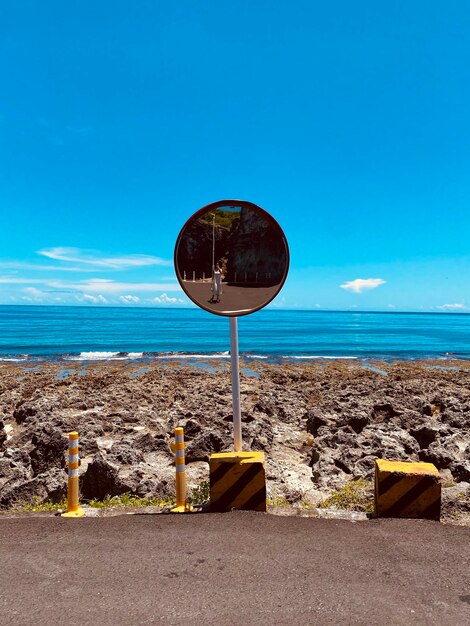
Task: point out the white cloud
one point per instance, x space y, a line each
165 299
32 294
362 284
94 285
8 280
110 286
452 307
99 299
278 303
129 299
19 265
90 257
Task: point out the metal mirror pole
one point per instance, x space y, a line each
237 418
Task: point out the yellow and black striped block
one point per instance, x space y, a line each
238 481
405 489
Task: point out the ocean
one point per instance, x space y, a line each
102 333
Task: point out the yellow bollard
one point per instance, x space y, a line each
73 507
181 506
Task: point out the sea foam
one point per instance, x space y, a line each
104 356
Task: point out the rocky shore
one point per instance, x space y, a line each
321 424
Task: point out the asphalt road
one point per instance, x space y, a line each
234 568
234 298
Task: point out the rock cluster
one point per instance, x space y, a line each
321 425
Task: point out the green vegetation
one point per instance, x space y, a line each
200 494
357 495
124 500
277 501
36 505
127 499
446 483
224 219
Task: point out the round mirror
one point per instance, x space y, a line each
231 258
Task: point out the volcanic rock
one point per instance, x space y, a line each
321 425
204 444
100 480
51 485
49 446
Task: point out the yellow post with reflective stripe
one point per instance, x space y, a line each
73 507
178 448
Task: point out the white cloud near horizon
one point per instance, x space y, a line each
452 307
109 286
129 299
32 291
165 299
32 294
94 258
91 285
99 299
362 284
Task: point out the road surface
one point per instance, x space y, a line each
234 568
234 298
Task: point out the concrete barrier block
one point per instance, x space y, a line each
406 489
237 481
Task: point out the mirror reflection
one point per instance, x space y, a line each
231 258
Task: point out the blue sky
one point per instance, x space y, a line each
347 121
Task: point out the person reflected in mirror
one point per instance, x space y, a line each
216 284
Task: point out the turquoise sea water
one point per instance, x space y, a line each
92 333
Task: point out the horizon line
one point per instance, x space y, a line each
190 308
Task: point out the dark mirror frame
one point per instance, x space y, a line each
217 205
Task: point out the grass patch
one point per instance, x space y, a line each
278 501
200 494
128 500
124 500
447 483
357 495
462 496
36 506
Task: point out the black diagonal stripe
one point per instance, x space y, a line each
387 483
433 511
257 502
410 496
225 502
219 473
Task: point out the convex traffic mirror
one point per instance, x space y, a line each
231 258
